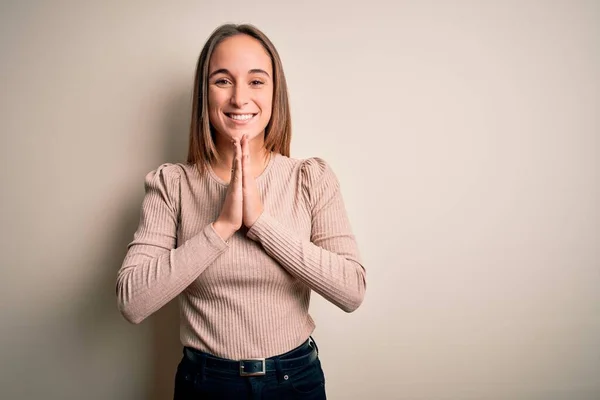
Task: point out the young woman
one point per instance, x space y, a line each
241 234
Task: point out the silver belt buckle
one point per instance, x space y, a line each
257 373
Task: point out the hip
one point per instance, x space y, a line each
297 374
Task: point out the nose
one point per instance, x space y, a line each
239 96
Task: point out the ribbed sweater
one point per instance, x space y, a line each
248 296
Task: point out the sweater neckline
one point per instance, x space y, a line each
259 178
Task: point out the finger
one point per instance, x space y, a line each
236 170
245 150
233 159
246 168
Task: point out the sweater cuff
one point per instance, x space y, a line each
265 224
214 239
207 238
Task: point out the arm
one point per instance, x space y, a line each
154 271
329 263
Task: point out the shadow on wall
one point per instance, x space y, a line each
160 330
167 351
101 348
166 346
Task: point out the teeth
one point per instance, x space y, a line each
241 117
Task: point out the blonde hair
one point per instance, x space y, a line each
278 133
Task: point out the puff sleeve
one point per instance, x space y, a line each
154 271
329 263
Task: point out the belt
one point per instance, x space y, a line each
251 366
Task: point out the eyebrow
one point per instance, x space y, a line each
225 71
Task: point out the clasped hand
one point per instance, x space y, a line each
242 205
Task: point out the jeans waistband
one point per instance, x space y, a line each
301 356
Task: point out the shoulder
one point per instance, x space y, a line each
316 177
311 170
166 173
163 184
316 170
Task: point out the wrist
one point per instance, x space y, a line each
223 229
251 222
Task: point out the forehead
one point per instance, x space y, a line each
240 53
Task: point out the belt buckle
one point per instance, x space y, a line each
257 373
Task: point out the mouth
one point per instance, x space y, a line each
240 118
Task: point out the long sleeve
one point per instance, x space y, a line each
329 263
154 271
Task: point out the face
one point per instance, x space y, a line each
240 88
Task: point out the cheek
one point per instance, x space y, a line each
214 103
212 99
213 115
267 104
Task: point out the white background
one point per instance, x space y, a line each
465 135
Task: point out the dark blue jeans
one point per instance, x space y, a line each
198 379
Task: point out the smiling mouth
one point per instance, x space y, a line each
240 117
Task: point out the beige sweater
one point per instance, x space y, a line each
247 297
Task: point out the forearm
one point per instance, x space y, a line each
337 276
152 275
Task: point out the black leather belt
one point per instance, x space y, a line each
252 366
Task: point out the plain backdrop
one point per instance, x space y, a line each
465 135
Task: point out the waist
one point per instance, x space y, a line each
298 357
203 329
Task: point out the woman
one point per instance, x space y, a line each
241 234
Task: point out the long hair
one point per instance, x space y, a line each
278 133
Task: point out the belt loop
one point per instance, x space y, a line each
278 370
314 344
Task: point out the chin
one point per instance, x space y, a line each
238 133
228 133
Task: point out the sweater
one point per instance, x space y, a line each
247 297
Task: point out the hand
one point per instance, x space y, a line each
231 217
252 205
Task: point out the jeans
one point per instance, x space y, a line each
194 380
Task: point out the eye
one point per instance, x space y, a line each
256 82
222 82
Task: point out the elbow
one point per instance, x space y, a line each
357 293
355 299
352 304
357 296
126 306
130 314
